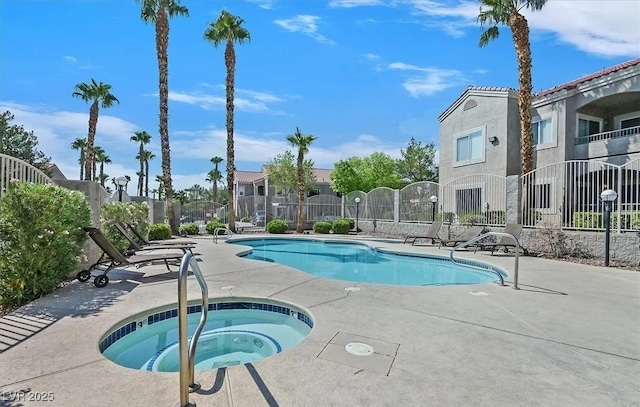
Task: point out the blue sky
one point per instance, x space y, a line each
361 75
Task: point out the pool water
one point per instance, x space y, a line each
352 261
230 337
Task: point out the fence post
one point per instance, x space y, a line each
396 206
620 200
343 203
514 199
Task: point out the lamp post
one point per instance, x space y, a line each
608 196
419 192
121 182
434 201
357 214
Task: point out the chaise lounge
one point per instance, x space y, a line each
514 229
432 233
112 258
473 231
144 242
136 247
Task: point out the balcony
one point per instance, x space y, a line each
629 131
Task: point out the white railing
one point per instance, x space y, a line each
12 168
629 131
568 194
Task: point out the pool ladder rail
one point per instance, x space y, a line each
217 232
187 348
478 238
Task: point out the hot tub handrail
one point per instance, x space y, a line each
476 239
217 231
188 348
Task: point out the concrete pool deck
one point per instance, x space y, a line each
569 337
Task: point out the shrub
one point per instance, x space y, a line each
352 223
531 216
189 229
470 218
495 217
213 225
322 227
446 217
159 231
41 239
277 226
587 220
341 226
635 221
134 214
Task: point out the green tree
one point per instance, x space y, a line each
507 12
160 181
283 175
365 174
143 138
158 12
98 94
17 142
416 163
228 29
80 144
302 142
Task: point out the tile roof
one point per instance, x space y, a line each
322 175
596 75
491 88
245 177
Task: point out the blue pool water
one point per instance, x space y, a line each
352 261
235 333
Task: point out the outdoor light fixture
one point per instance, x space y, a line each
434 201
493 140
357 210
608 196
121 182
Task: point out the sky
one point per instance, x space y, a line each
360 75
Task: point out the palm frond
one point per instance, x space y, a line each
489 35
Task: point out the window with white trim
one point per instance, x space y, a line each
589 125
470 147
542 132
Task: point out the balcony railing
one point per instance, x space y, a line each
629 131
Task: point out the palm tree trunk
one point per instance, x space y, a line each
91 138
162 45
82 163
230 62
146 178
520 29
102 173
141 177
300 225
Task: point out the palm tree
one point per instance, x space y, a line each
214 177
143 138
154 192
103 159
80 144
502 12
147 156
160 181
303 142
158 12
228 29
97 93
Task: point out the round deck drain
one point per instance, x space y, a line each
359 349
352 288
478 293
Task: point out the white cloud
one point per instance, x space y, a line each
265 4
431 80
306 24
371 57
70 58
56 130
260 148
355 3
587 25
253 101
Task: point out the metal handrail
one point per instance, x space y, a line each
188 348
477 238
216 233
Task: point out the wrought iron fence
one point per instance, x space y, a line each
478 199
568 194
417 202
12 168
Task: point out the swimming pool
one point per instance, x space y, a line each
354 261
237 331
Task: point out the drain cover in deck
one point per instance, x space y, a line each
358 348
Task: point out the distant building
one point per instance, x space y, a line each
256 183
